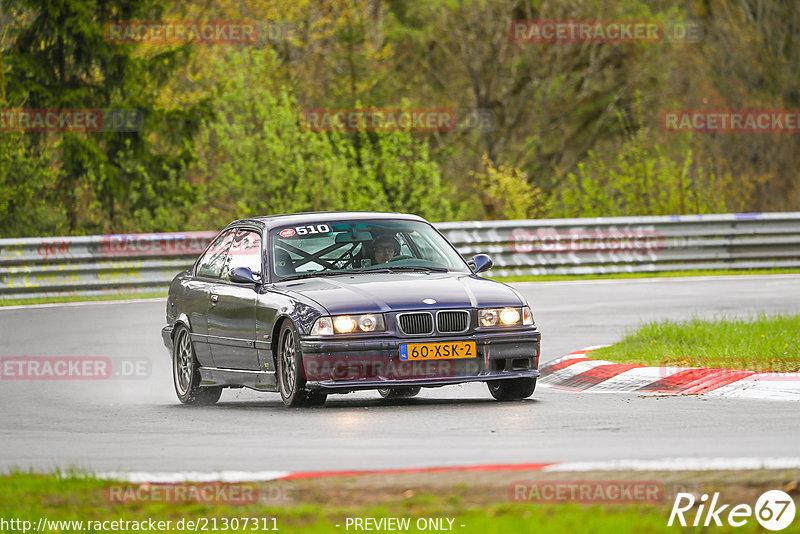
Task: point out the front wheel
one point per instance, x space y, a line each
512 389
186 372
291 379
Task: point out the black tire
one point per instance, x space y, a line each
316 399
291 378
186 372
512 389
399 393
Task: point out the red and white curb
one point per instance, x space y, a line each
659 464
578 372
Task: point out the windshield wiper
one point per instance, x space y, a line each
319 273
390 269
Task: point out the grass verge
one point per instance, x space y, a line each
762 343
315 508
616 276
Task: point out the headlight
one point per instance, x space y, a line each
509 316
487 317
348 324
505 316
344 324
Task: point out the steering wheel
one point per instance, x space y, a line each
399 257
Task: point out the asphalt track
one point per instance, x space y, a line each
138 424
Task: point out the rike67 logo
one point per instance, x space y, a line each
774 510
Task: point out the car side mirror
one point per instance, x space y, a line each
480 263
243 275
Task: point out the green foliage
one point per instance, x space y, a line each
258 158
638 179
26 205
556 147
508 194
104 181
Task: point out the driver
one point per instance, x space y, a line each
384 248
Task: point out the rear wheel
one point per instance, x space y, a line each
399 393
291 379
512 389
186 372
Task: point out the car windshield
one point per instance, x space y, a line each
341 247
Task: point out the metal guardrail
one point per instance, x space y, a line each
136 263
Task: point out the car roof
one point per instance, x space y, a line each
271 221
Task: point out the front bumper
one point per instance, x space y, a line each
352 364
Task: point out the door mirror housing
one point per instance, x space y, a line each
480 263
243 275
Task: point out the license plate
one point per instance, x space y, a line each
437 351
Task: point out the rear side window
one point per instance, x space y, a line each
213 260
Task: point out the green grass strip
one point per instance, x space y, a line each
762 343
625 276
30 497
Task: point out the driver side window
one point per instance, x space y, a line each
245 252
212 262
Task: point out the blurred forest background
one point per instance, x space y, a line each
576 130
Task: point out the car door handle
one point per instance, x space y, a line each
214 299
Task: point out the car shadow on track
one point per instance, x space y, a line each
361 403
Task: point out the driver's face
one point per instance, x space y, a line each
384 251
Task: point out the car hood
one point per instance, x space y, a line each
385 292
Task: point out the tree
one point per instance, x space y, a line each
637 178
59 58
258 158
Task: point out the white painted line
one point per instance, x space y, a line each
658 464
192 476
678 464
82 303
762 386
633 379
554 379
594 347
